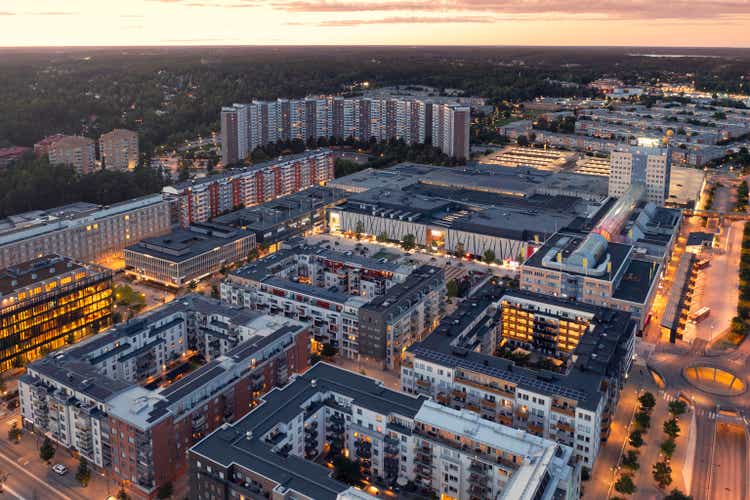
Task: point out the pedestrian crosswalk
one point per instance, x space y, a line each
700 412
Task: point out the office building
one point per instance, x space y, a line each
202 199
297 214
50 302
132 400
646 165
276 450
186 255
245 127
82 231
551 367
75 151
118 149
337 291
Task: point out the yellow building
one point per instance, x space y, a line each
47 303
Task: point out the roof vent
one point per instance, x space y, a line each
314 383
249 435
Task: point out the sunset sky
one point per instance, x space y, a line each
375 22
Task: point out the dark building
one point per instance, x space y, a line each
47 303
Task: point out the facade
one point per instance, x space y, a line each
643 165
570 399
278 220
393 437
74 150
42 147
118 149
117 400
245 127
336 292
47 303
201 200
186 255
82 231
9 156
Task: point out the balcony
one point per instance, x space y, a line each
536 429
565 427
486 404
505 419
564 410
458 395
423 384
472 407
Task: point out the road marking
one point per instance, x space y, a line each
10 490
37 478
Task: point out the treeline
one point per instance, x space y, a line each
34 184
741 322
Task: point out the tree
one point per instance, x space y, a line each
83 475
522 140
630 460
347 471
47 451
14 433
488 256
672 428
459 251
408 242
625 485
676 494
662 473
252 255
668 447
164 491
648 401
643 420
636 439
359 228
328 351
192 285
122 494
382 237
677 407
452 288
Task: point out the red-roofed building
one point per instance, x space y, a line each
11 154
42 147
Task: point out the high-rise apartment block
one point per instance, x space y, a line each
202 199
76 151
131 400
645 165
247 126
82 231
50 302
275 451
118 149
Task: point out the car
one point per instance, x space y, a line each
60 469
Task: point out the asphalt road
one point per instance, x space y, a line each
729 463
705 435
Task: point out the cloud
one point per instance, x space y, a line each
52 13
633 9
230 4
400 20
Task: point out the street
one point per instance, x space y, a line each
729 467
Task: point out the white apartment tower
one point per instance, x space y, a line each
647 165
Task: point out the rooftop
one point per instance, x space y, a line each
183 244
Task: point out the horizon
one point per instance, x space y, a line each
149 23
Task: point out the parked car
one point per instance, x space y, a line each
60 469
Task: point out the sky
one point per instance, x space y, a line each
691 23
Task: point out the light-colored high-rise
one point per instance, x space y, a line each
74 150
119 149
646 165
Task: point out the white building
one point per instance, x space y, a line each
647 164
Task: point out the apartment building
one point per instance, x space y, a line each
42 147
247 126
50 302
648 166
396 439
337 291
202 199
128 402
118 149
186 255
76 151
82 231
566 390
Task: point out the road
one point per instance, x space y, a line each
729 463
704 446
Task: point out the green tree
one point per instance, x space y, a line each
643 420
625 485
677 407
164 491
452 288
668 447
488 256
382 237
408 242
662 473
630 460
359 228
328 351
459 251
83 474
252 255
47 451
193 285
676 494
672 428
347 471
648 401
636 439
14 433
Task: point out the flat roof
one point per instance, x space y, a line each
183 244
637 281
